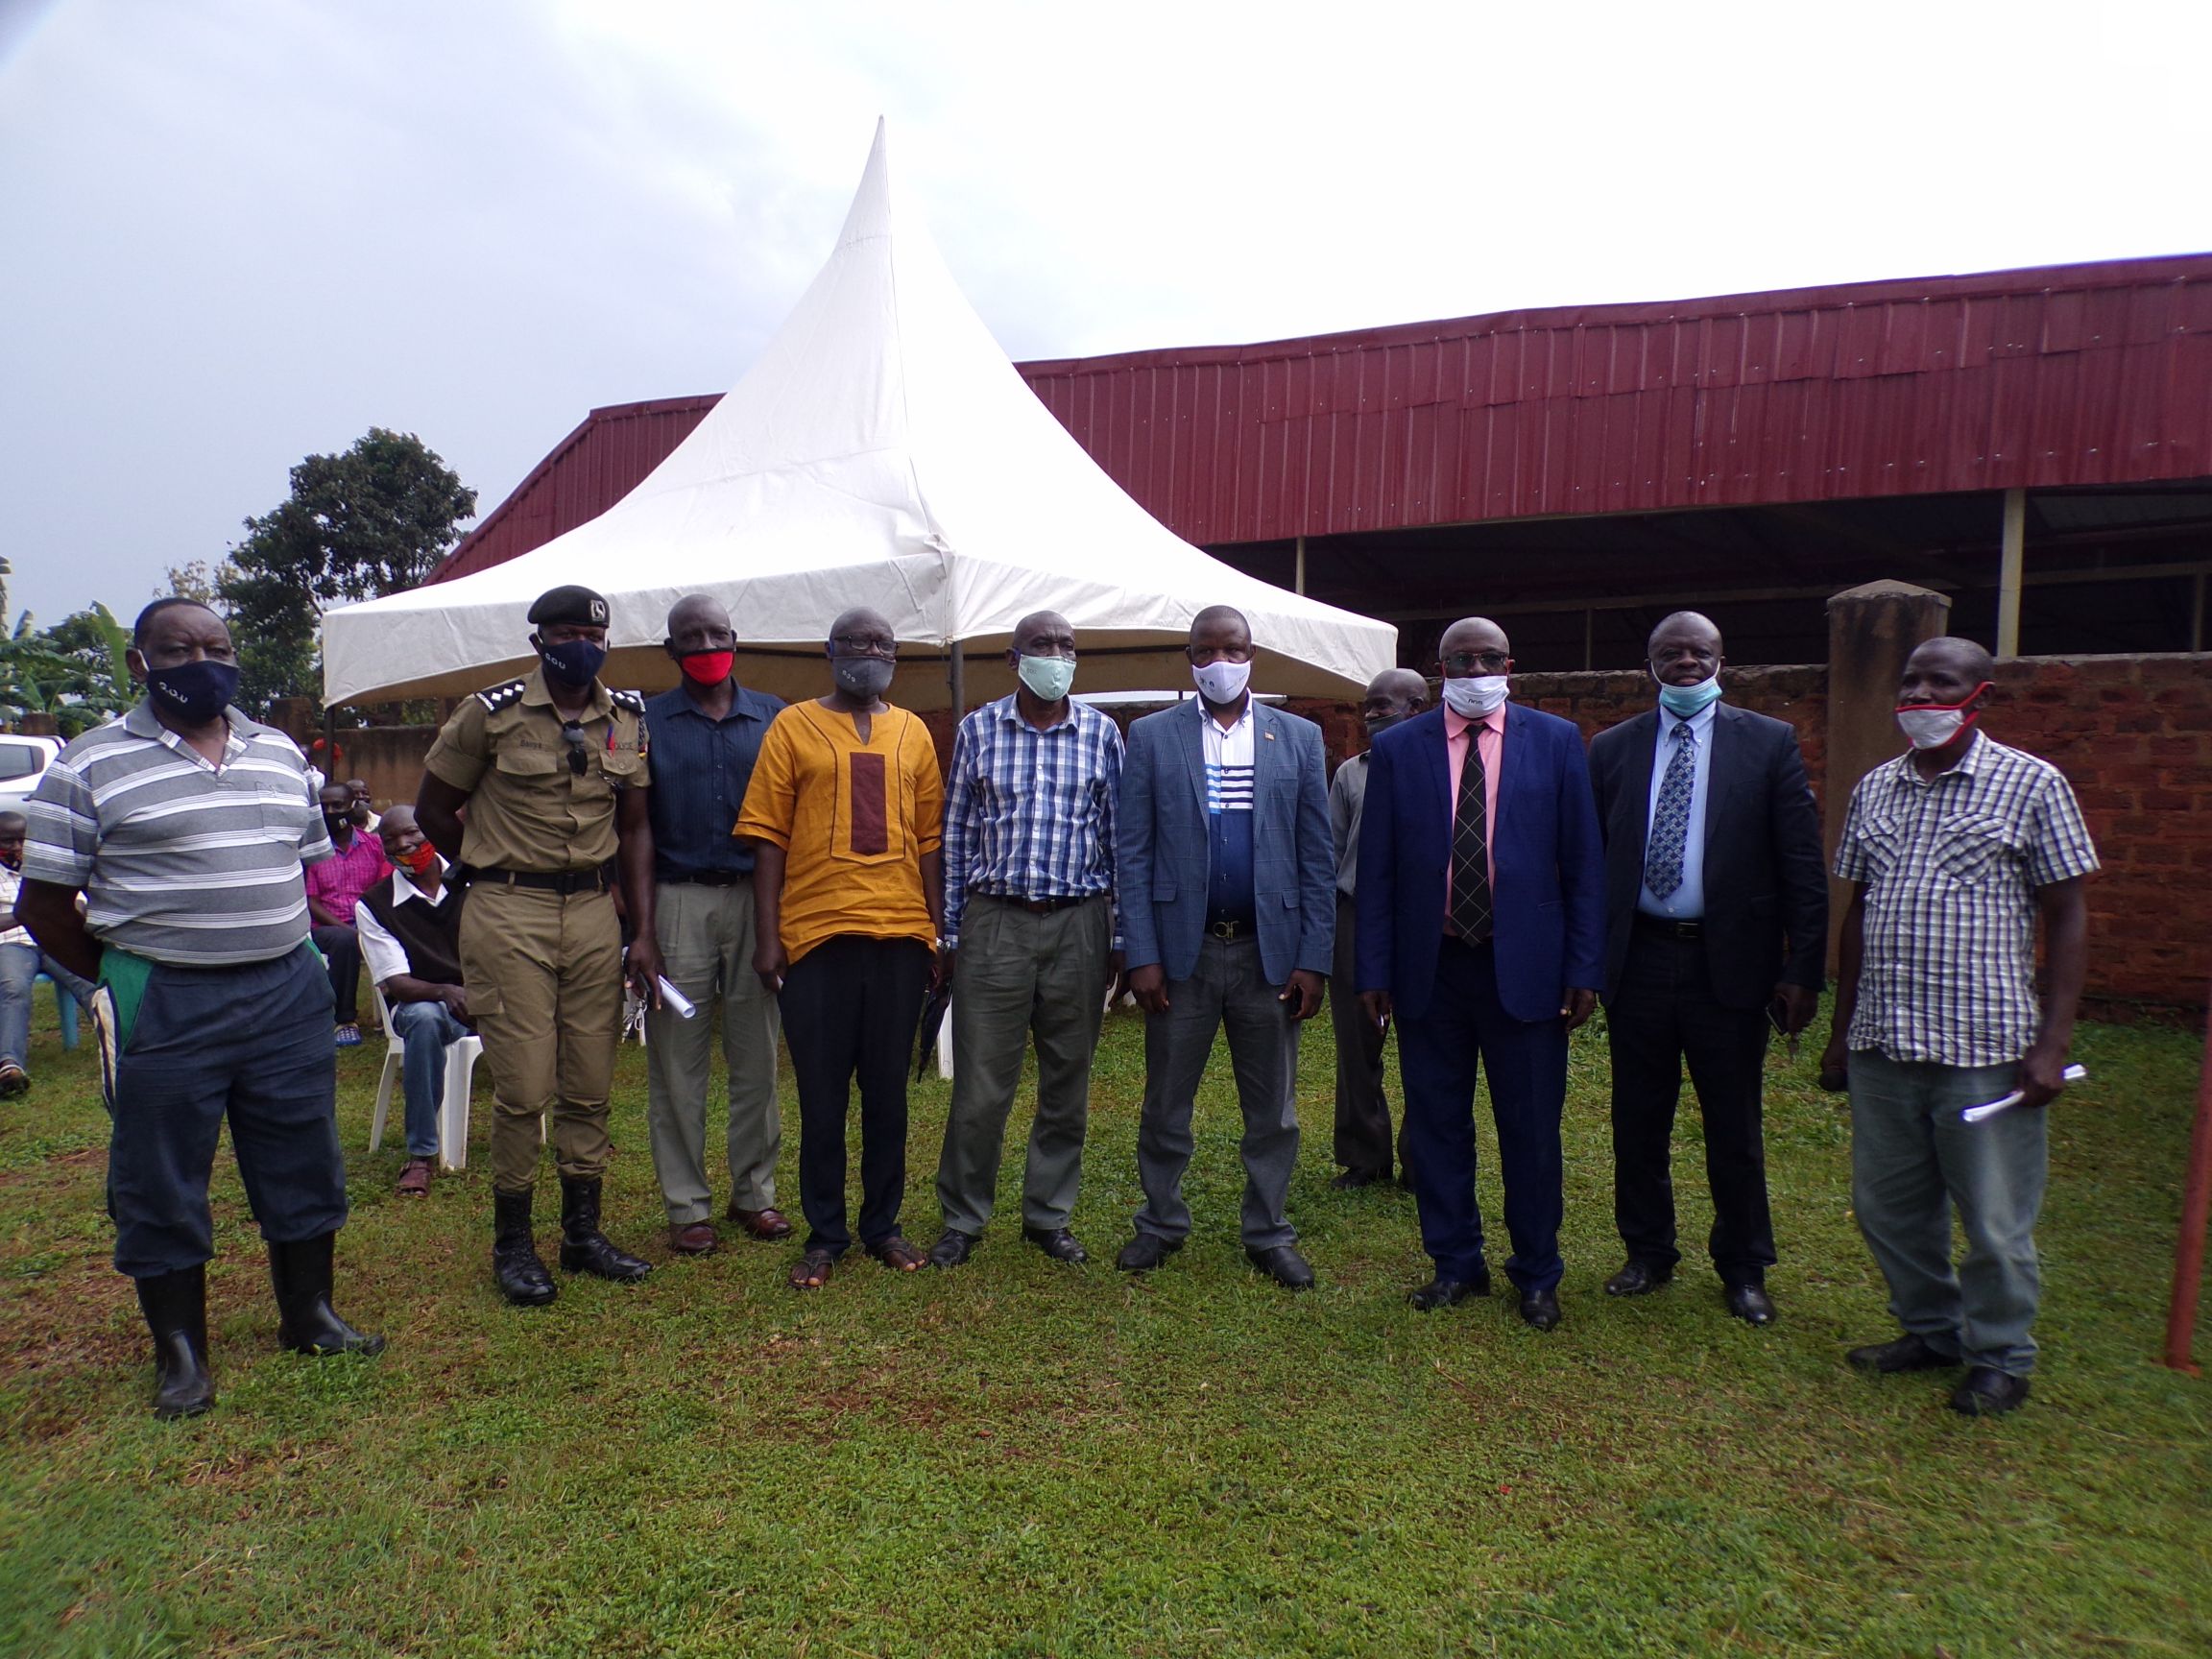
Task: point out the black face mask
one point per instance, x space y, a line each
194 692
574 663
1379 723
864 677
338 822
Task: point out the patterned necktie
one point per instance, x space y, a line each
1471 848
1670 818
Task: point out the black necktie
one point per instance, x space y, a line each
1471 848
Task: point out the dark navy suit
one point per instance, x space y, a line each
1499 1001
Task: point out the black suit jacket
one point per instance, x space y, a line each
1765 883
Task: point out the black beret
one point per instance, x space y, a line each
572 604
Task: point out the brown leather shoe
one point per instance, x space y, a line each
415 1178
696 1239
766 1225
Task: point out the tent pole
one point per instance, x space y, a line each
953 671
1298 576
2011 563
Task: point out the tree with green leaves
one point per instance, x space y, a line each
375 519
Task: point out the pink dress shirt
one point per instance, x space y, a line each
1492 736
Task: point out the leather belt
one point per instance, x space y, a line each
1042 907
1667 927
591 880
708 879
1231 927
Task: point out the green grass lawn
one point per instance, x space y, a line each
1019 1458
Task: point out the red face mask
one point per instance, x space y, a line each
707 667
420 861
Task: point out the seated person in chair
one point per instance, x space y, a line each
410 929
334 887
21 962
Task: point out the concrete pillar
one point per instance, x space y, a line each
1871 630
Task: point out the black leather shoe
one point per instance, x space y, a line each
1637 1279
1749 1303
1146 1252
1282 1265
1443 1292
516 1265
1352 1179
1540 1309
953 1248
1988 1392
1910 1352
1058 1244
306 1324
583 1248
176 1309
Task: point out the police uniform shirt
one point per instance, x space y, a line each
530 807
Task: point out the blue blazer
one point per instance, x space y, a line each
1549 898
1164 851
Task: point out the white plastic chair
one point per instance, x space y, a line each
452 1104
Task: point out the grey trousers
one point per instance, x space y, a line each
1225 989
706 938
1363 1140
1913 1161
1020 976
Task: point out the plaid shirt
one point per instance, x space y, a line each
1951 865
1029 814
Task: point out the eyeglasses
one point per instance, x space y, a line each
579 751
853 645
1462 664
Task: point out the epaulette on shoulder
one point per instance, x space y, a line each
633 701
498 697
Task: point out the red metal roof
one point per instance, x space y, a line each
590 469
2071 375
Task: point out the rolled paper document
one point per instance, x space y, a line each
672 998
1990 1108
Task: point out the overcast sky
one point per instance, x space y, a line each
235 233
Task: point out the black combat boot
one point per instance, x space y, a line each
583 1248
300 1271
175 1308
515 1262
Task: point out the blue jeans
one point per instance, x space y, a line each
428 1029
20 966
1913 1159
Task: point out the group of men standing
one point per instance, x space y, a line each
1477 879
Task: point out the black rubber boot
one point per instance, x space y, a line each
514 1261
175 1308
583 1248
300 1271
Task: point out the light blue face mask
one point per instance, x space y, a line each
1684 701
1049 677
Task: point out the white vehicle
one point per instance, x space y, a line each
21 760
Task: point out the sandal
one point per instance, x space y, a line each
812 1270
896 1252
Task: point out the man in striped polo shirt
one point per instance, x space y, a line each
1954 849
186 825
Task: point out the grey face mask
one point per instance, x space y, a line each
863 677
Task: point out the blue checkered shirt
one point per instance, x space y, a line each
1029 814
1951 865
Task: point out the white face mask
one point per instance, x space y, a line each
1932 725
1475 697
1221 682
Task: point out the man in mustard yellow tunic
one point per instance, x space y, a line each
847 809
552 771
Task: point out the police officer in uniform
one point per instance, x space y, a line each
552 771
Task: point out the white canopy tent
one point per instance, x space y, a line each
882 452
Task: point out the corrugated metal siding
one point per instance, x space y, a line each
590 469
2076 375
2070 375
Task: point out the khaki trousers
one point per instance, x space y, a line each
544 973
706 937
